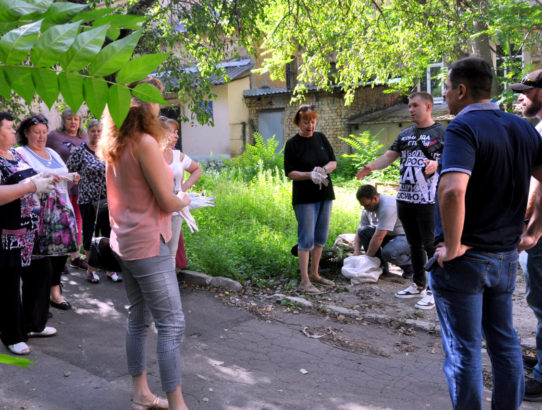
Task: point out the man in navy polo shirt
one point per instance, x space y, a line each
488 159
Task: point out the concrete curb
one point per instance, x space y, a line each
201 279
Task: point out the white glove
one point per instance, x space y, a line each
189 219
200 201
44 184
319 179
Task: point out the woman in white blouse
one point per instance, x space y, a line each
178 162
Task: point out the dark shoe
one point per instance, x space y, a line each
64 305
294 250
79 263
533 390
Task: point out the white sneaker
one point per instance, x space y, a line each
427 302
411 292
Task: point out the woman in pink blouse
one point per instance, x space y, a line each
141 200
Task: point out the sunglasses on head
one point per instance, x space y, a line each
308 108
38 120
530 82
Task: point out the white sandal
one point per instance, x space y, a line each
19 348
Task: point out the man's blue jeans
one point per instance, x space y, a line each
473 296
533 290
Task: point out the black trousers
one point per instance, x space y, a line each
419 224
365 235
55 267
102 228
26 312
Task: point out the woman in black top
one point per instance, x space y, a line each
308 159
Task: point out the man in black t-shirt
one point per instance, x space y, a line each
419 147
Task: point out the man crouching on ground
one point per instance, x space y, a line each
380 231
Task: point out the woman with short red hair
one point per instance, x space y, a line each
308 160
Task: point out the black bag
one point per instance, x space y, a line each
101 255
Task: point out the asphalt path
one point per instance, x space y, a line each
232 360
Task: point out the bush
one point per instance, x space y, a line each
251 229
367 148
262 155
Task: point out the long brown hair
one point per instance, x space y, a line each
140 120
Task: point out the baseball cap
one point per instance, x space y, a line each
531 80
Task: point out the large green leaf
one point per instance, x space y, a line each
5 89
150 93
15 45
20 80
84 49
71 87
46 85
96 94
14 9
127 21
139 68
52 44
15 361
115 55
92 15
118 103
60 13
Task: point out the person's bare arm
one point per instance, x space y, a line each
195 172
381 162
534 212
9 193
451 198
376 242
153 167
299 175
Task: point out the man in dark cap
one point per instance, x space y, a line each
531 104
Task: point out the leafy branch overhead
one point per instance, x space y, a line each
50 48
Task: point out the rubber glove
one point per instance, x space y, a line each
189 219
319 179
200 201
43 183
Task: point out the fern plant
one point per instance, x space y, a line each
366 149
263 155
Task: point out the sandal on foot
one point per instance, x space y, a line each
311 289
20 348
114 276
48 331
93 277
323 281
156 403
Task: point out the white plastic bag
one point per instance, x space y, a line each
362 269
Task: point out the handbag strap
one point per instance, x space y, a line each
97 213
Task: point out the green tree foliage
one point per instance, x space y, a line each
50 48
366 149
353 42
200 35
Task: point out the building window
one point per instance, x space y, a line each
291 74
433 81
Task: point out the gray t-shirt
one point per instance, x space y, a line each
384 218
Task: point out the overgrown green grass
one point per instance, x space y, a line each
251 229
